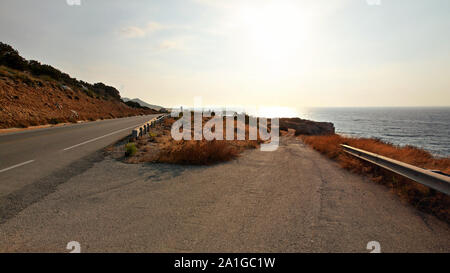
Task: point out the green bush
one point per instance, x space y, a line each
89 93
130 149
151 136
11 58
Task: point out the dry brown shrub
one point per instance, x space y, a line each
165 149
198 152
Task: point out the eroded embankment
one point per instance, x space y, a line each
26 100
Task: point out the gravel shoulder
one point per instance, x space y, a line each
290 200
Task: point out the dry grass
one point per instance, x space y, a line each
198 152
420 196
160 147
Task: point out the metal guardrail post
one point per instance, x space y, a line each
145 128
432 179
135 133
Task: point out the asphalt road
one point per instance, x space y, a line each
30 155
290 200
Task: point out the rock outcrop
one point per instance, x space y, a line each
307 127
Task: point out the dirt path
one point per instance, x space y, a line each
291 200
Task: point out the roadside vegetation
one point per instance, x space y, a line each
159 147
130 149
420 196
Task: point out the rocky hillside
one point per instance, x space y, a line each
32 94
143 103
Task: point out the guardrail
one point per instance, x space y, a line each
145 128
433 179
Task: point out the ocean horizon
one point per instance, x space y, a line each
423 127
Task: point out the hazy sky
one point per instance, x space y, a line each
263 53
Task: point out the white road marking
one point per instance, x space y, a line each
17 165
97 138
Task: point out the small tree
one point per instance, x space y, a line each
10 57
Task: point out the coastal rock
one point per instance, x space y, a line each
307 127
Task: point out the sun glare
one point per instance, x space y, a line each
273 33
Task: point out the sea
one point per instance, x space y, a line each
424 127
